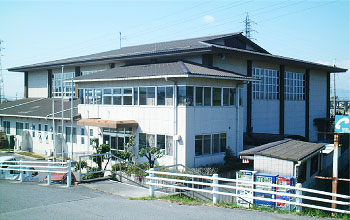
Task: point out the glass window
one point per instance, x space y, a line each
151 96
136 96
169 95
68 134
117 100
216 96
225 96
127 96
199 96
6 127
89 98
33 130
216 143
46 128
142 140
206 144
207 96
39 127
160 95
169 146
59 129
223 142
199 144
151 140
91 132
98 96
81 96
161 142
117 91
185 95
143 92
82 140
232 96
19 128
107 96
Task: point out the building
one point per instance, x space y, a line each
286 100
298 159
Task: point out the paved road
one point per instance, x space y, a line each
34 201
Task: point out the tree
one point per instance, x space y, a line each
129 149
151 153
100 149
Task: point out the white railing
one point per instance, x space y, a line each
48 167
214 186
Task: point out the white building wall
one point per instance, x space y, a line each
270 165
37 84
294 117
318 97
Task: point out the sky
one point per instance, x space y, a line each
39 31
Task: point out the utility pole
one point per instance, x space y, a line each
2 90
62 109
334 96
248 27
120 40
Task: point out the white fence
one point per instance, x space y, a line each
48 167
212 186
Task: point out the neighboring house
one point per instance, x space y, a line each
302 160
290 95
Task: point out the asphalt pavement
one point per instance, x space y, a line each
38 201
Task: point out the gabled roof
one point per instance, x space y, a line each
38 108
177 46
157 70
286 149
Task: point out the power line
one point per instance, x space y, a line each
2 91
248 30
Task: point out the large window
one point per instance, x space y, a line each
127 96
164 95
185 95
268 86
68 134
6 125
207 96
68 87
147 96
162 142
216 96
210 144
294 86
107 96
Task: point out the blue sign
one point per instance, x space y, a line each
342 124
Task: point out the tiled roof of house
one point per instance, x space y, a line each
38 108
175 69
286 149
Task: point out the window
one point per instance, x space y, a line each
161 96
206 144
33 130
198 145
89 98
225 96
26 126
169 150
240 100
59 129
98 96
216 143
151 96
314 165
69 133
127 96
57 84
6 127
210 144
143 92
91 132
223 142
161 143
169 93
185 95
268 86
46 128
207 96
81 96
82 134
19 128
232 96
117 96
199 96
107 96
294 86
216 96
146 140
136 96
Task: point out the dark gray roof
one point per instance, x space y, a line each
179 68
191 44
37 108
286 149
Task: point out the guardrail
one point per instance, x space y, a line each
215 187
46 167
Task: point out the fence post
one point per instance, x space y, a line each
69 173
49 173
151 187
299 200
79 169
21 175
215 189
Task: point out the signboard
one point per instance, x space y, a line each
342 124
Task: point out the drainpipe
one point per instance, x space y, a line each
295 170
174 119
237 119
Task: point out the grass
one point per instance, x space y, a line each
185 200
31 154
6 150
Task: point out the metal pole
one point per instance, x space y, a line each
335 169
53 127
334 101
62 109
71 118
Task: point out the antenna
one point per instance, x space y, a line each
120 39
248 27
2 90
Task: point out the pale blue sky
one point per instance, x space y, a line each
38 31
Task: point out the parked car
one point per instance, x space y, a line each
27 175
60 178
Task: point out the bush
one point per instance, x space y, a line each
92 175
83 165
129 169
